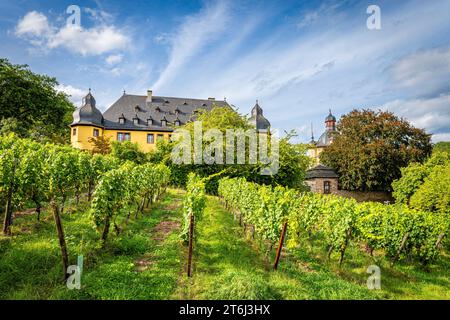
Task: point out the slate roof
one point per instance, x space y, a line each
321 171
258 120
169 108
325 139
330 117
88 113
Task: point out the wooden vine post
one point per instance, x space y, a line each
191 238
280 246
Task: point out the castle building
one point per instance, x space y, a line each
325 139
257 119
143 119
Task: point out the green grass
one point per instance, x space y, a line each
144 263
228 265
30 266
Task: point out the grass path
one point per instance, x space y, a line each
227 266
143 262
147 261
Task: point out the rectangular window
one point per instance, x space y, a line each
96 133
160 136
121 120
150 138
123 136
74 131
326 187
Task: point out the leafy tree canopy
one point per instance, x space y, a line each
371 147
293 161
30 106
443 146
425 186
127 151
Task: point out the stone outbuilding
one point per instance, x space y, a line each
322 179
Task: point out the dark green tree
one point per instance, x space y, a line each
370 147
30 105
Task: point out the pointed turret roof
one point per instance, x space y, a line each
257 118
88 113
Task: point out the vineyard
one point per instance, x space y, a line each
397 230
142 239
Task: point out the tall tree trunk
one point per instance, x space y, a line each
61 237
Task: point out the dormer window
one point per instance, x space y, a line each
204 104
164 122
185 103
177 111
149 121
122 119
137 109
136 121
177 122
158 109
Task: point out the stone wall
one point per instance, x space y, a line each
317 185
376 196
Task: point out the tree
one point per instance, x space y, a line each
443 146
414 175
370 147
61 171
293 161
100 144
30 105
127 151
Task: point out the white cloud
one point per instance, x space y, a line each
432 114
92 41
192 36
423 72
33 23
76 94
440 137
114 59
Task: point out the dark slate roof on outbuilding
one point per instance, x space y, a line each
159 108
321 171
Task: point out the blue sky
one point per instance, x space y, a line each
298 58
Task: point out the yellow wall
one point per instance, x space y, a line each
314 153
80 140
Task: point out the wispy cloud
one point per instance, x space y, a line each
424 72
432 114
192 36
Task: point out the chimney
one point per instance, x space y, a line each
211 99
149 95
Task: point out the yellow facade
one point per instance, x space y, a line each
80 135
314 153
